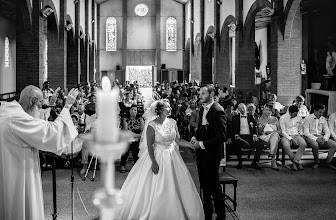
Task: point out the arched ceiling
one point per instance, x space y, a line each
8 9
263 18
180 1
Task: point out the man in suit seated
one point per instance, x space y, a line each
245 136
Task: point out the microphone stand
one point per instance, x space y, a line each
72 184
54 215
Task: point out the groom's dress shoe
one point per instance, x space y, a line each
208 217
239 166
255 166
220 217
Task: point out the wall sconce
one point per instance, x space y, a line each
232 26
268 11
257 80
303 67
47 11
212 35
68 27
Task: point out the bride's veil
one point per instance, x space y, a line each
149 116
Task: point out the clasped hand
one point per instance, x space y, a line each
194 143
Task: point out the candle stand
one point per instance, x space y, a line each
108 197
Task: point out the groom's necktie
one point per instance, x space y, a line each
205 112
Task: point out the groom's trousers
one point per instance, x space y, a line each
209 181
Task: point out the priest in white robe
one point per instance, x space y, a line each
22 135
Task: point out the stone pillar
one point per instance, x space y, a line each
29 72
124 41
202 38
76 80
158 41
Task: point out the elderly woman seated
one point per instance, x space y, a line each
251 110
269 130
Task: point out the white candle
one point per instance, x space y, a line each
107 101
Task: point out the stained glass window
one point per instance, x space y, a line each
6 52
111 34
171 34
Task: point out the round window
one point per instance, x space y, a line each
141 9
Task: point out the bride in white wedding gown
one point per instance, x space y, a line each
159 186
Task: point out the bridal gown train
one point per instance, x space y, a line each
169 195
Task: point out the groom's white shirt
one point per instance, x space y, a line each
204 120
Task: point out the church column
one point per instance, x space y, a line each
305 46
85 58
185 75
192 22
76 75
124 40
239 42
92 44
98 73
216 40
28 44
276 37
158 41
202 37
63 40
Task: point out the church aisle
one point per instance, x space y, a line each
261 195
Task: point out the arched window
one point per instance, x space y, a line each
111 34
171 34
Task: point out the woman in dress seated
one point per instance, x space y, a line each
133 122
269 130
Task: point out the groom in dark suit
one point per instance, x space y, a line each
210 137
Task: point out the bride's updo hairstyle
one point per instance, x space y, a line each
160 106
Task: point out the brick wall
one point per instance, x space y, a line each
91 63
186 61
83 62
196 63
55 59
72 74
290 56
223 60
42 47
28 70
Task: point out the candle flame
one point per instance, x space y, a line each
106 84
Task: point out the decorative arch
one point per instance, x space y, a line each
68 19
26 14
111 34
250 18
223 77
50 4
291 9
197 41
171 34
224 34
208 41
207 56
186 60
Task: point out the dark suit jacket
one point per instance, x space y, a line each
214 135
236 124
